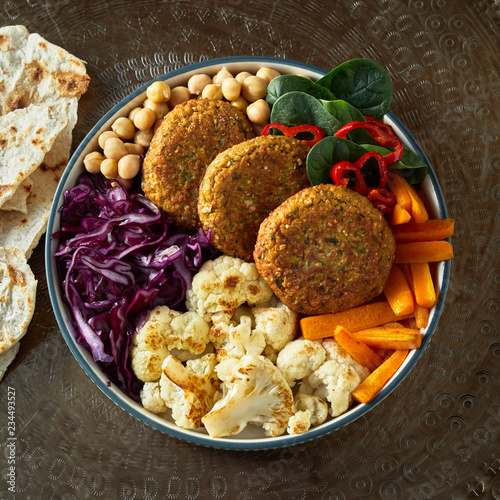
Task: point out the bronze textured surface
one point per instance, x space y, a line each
437 435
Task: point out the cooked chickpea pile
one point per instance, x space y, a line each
129 137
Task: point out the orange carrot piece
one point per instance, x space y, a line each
399 215
359 351
375 382
410 322
357 318
422 316
423 285
418 210
398 292
396 185
389 337
423 251
430 230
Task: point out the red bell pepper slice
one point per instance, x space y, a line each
317 132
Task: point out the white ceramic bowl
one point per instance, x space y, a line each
252 437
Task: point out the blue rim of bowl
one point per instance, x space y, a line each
122 399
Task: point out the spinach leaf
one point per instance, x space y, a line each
289 83
363 83
414 168
343 111
326 153
297 108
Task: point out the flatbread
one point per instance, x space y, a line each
7 357
18 202
17 297
26 136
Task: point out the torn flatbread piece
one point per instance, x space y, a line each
33 70
7 357
17 297
26 136
18 202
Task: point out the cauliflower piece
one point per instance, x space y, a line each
164 330
334 382
191 390
316 407
278 324
149 345
300 358
335 352
151 398
223 284
299 423
238 340
255 392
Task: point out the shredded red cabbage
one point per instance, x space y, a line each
119 257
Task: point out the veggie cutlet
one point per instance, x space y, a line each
325 249
189 138
244 184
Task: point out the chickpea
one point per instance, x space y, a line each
258 112
109 168
128 183
129 166
221 76
241 103
305 76
144 119
143 137
242 76
267 74
253 88
231 89
124 128
160 109
197 83
179 94
105 136
92 162
133 113
158 92
133 148
212 91
114 148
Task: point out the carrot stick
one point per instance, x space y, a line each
423 251
374 383
398 292
410 322
389 337
430 230
423 286
359 351
357 318
397 186
421 314
418 210
399 215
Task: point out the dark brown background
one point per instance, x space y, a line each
437 436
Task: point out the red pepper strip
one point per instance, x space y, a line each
381 137
339 172
382 199
317 132
384 126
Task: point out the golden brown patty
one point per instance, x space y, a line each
244 184
189 138
325 249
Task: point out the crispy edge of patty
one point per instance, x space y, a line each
244 184
297 250
189 138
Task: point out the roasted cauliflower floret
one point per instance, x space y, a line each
255 392
299 358
335 352
309 412
236 340
223 284
150 345
278 323
151 398
191 390
164 330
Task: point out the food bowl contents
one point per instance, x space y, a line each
244 184
268 280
